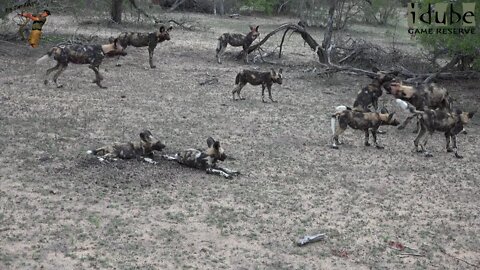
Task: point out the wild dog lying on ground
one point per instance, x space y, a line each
145 39
366 121
205 160
236 40
369 94
421 97
266 79
80 54
449 122
142 150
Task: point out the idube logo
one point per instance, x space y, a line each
441 18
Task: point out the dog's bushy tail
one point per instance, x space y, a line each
93 152
406 106
46 56
334 119
333 123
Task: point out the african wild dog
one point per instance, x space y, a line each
369 94
77 53
366 121
145 39
236 40
449 122
421 97
205 160
142 150
266 79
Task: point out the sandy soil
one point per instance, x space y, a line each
62 209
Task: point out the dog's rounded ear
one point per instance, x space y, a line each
210 141
272 71
470 114
390 116
146 135
216 145
170 28
256 28
280 70
162 29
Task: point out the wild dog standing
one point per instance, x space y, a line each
266 79
236 40
451 123
80 54
145 39
369 95
361 120
421 97
205 160
140 150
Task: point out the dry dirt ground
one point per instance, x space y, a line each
63 209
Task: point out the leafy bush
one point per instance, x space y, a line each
464 46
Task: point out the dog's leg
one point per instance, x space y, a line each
237 90
455 149
263 93
367 135
149 160
336 137
340 128
374 135
167 157
98 76
60 70
218 172
222 45
50 71
427 154
151 48
417 127
269 87
228 171
447 139
420 134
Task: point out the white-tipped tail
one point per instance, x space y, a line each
90 152
42 59
333 123
340 108
402 104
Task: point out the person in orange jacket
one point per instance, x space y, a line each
38 22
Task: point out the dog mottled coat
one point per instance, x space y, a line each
366 121
370 94
76 53
205 160
236 40
142 149
266 79
422 97
449 122
145 39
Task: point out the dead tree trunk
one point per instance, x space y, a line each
296 29
327 38
116 10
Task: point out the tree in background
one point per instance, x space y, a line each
463 49
380 11
116 10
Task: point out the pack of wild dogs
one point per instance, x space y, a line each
429 104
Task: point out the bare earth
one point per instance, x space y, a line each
63 209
